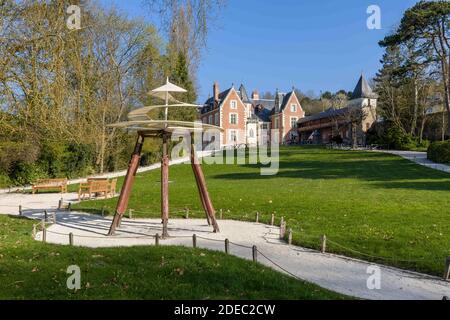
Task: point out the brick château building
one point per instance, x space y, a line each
247 120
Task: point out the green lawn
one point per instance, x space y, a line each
33 270
368 204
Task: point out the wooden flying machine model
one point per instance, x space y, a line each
140 121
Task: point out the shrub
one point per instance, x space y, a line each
50 159
77 160
25 173
424 144
395 138
439 152
392 137
4 181
337 139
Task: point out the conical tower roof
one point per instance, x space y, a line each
363 90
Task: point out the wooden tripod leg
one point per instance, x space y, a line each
125 193
202 198
203 189
165 187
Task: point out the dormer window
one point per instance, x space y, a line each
233 104
293 108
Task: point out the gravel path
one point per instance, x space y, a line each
337 273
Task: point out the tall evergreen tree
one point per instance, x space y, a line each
424 28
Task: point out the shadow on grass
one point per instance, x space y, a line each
417 185
370 168
96 211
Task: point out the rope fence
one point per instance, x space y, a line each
285 234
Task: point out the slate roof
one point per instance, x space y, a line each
326 114
363 90
209 104
266 103
286 98
261 113
264 108
243 94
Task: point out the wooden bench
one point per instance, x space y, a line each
50 184
97 186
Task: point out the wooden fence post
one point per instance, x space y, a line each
71 239
290 237
60 204
255 254
324 243
283 230
44 235
157 239
272 220
194 241
20 210
103 212
257 217
227 246
447 269
45 215
69 207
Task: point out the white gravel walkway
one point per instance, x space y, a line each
337 273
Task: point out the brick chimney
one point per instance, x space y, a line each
255 95
216 91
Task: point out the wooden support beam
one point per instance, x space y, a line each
125 193
165 186
211 213
194 163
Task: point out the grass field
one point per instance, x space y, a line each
32 270
373 206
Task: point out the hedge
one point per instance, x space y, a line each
439 152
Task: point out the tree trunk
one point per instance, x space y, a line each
354 137
447 96
422 128
443 125
416 108
165 186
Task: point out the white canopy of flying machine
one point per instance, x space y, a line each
140 119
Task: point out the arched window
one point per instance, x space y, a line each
252 133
